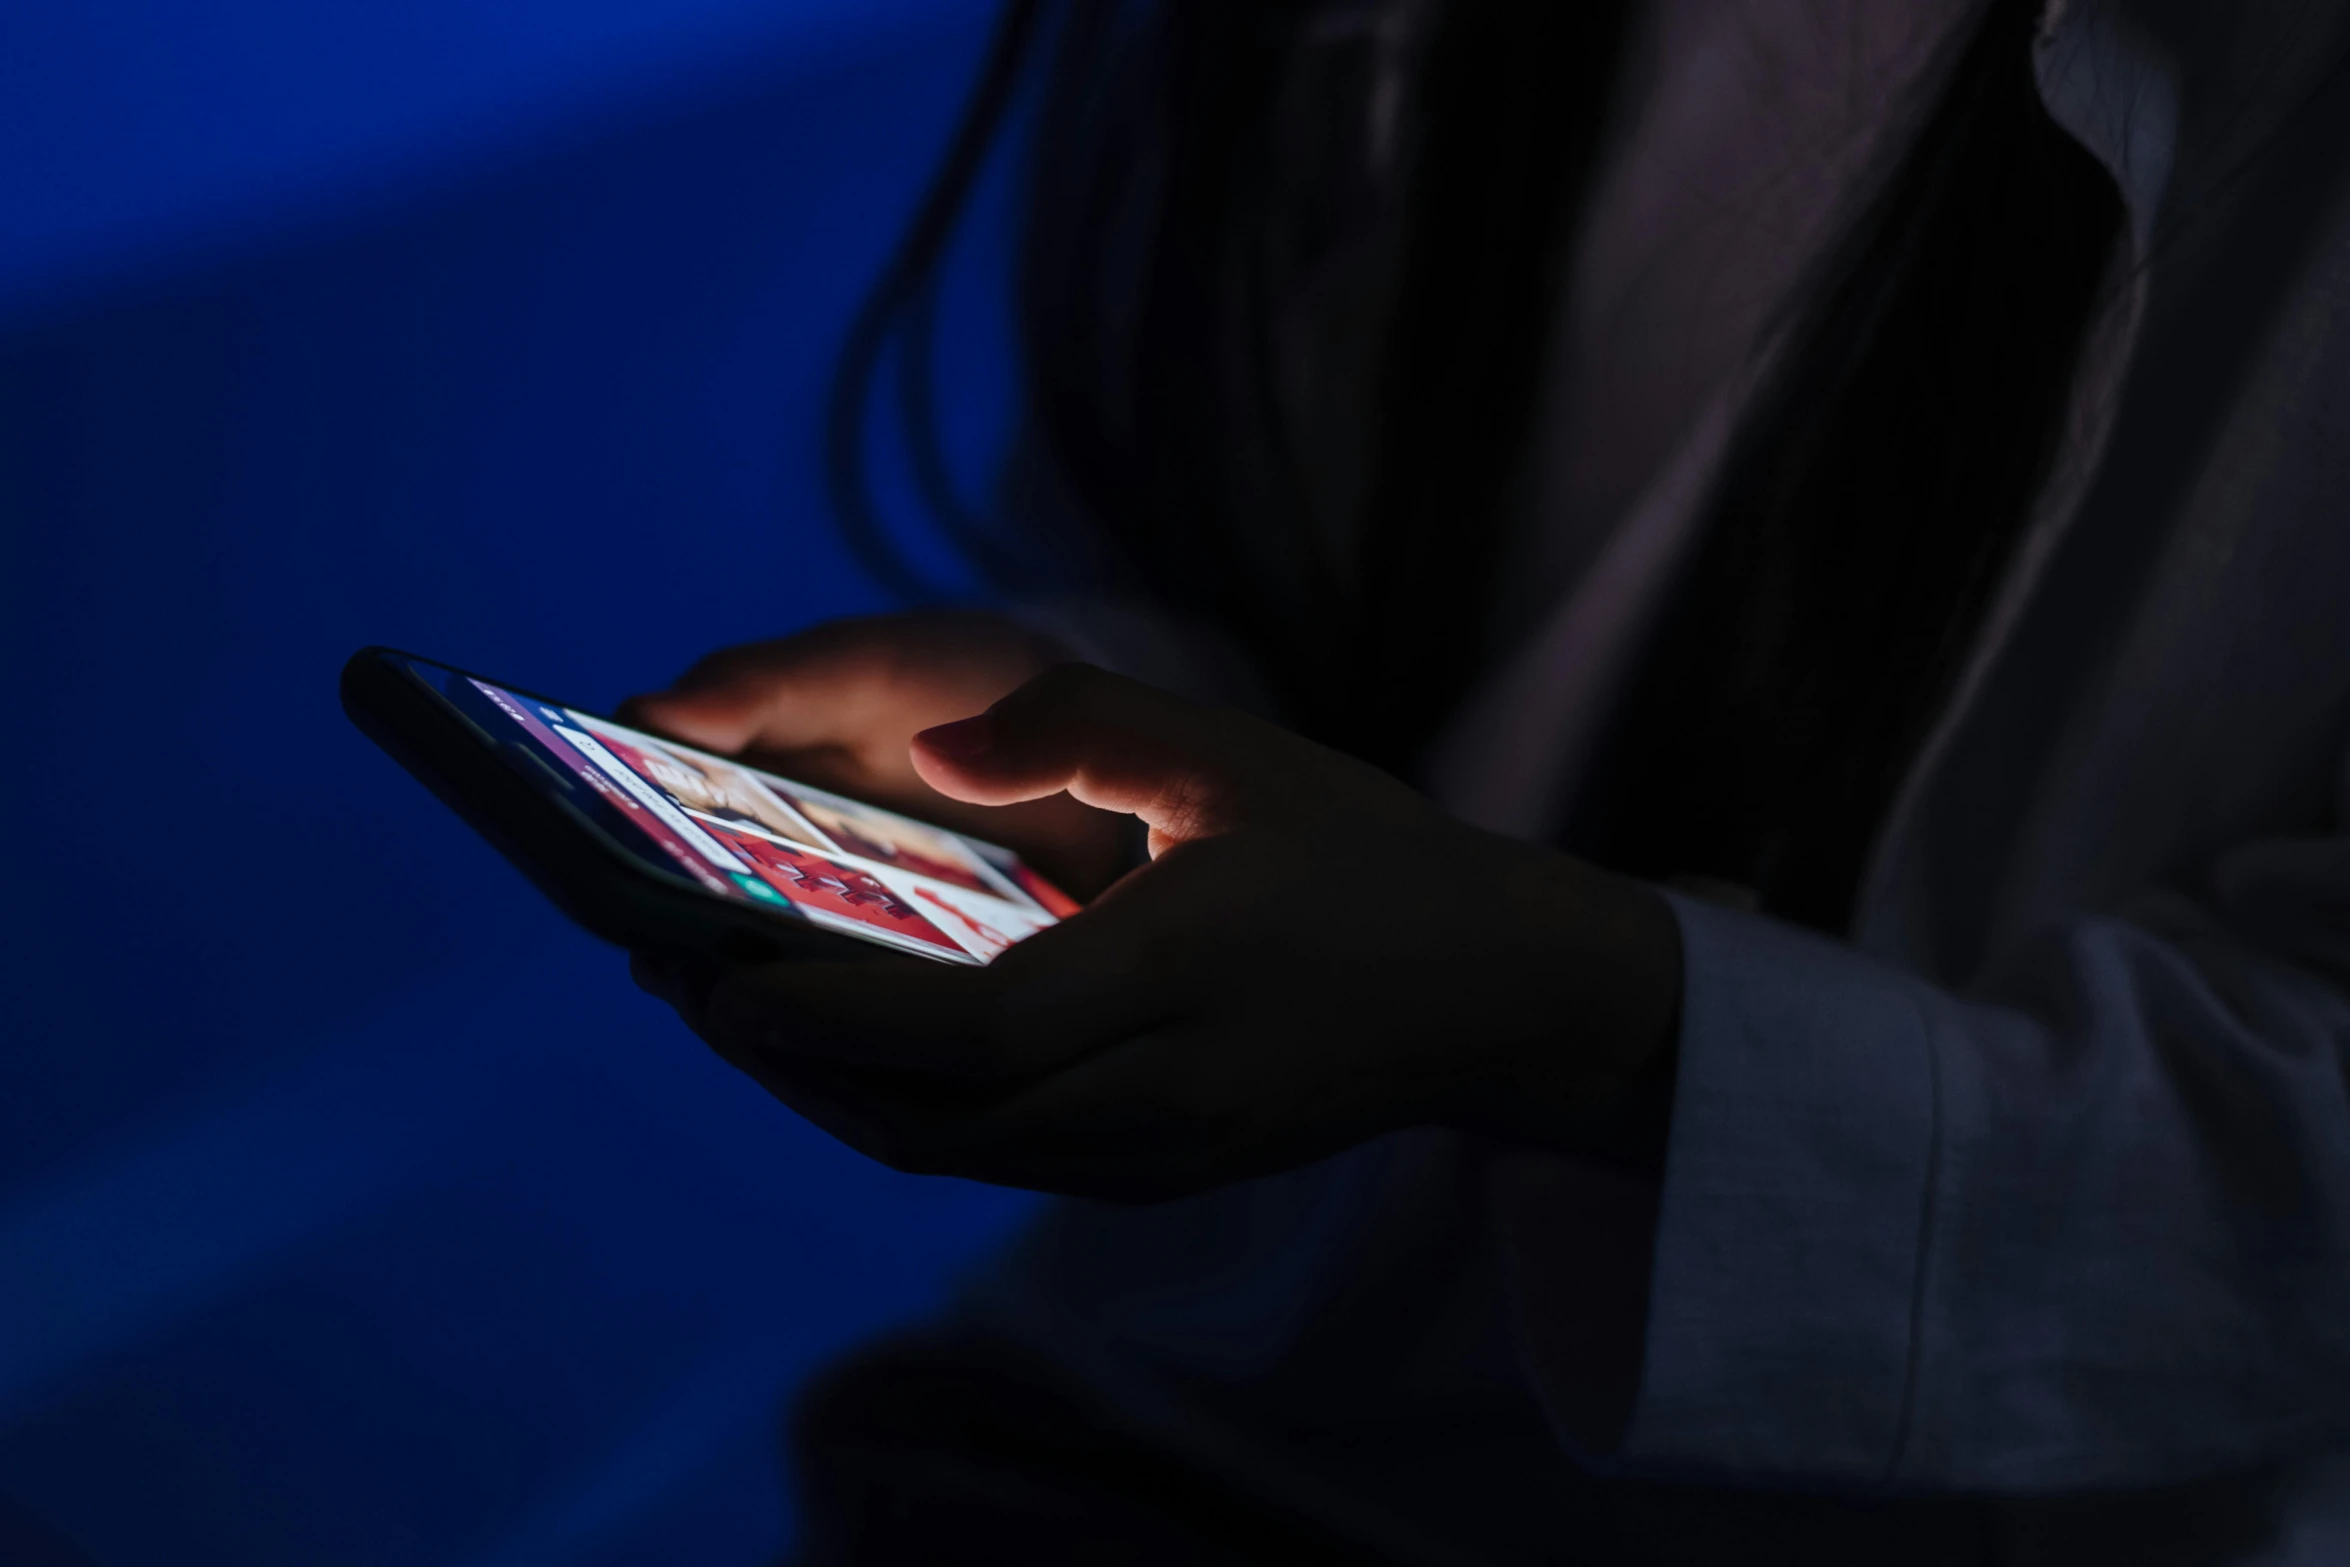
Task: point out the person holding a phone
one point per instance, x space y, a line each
1727 628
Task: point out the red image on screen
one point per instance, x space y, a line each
827 886
891 839
1049 897
985 925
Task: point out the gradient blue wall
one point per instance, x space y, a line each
353 1208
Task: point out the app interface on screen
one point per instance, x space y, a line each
754 837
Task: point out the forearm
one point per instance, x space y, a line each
2096 1232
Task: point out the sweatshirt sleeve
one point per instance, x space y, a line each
2089 1229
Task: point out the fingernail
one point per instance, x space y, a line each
963 739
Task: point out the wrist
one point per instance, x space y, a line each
1591 1072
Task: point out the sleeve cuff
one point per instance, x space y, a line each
1795 1213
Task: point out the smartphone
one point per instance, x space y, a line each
664 848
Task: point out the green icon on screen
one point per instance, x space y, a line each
754 887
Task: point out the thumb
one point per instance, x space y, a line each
1186 770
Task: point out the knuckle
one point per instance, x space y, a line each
1187 808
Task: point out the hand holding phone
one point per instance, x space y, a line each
837 706
1314 955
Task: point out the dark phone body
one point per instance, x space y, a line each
575 860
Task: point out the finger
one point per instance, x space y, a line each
655 976
682 980
904 1120
1062 993
1168 1113
1187 771
908 1125
1063 1134
837 1106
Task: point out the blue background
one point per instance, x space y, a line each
354 1208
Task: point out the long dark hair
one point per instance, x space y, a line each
1860 518
1156 246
